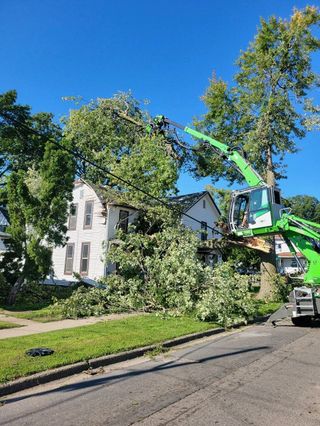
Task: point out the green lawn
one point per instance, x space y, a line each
265 308
41 315
91 341
4 324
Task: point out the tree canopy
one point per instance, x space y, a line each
269 107
305 206
113 133
37 179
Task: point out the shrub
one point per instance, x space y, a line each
35 295
4 289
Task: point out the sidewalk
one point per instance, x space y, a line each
34 327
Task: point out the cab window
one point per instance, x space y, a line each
240 211
259 200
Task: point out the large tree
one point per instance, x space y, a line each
113 133
37 178
304 206
268 108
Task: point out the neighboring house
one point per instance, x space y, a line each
4 223
94 219
201 206
287 263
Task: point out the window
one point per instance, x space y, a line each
277 198
294 263
123 220
204 204
84 262
259 200
204 233
241 211
73 217
279 246
88 213
68 266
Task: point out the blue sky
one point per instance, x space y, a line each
163 51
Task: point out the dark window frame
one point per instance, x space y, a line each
66 258
86 258
85 214
204 227
74 227
123 223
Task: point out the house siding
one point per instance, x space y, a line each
285 260
208 214
2 245
96 235
104 227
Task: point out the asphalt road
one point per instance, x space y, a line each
255 376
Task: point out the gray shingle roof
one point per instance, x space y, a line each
189 200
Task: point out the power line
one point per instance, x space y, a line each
108 172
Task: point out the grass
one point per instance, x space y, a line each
45 314
82 343
41 315
265 308
4 325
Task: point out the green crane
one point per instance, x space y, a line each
257 211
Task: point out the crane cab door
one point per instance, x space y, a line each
254 208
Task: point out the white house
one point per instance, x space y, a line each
92 222
287 263
94 219
4 223
201 206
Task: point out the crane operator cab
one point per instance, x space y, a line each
254 208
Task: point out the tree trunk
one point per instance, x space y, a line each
267 270
14 291
268 260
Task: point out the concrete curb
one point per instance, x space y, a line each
79 367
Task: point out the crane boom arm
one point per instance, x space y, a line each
233 155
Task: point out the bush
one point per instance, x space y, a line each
83 303
4 288
34 295
226 299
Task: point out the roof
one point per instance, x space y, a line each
106 194
109 195
189 200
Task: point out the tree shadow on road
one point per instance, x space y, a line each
111 379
